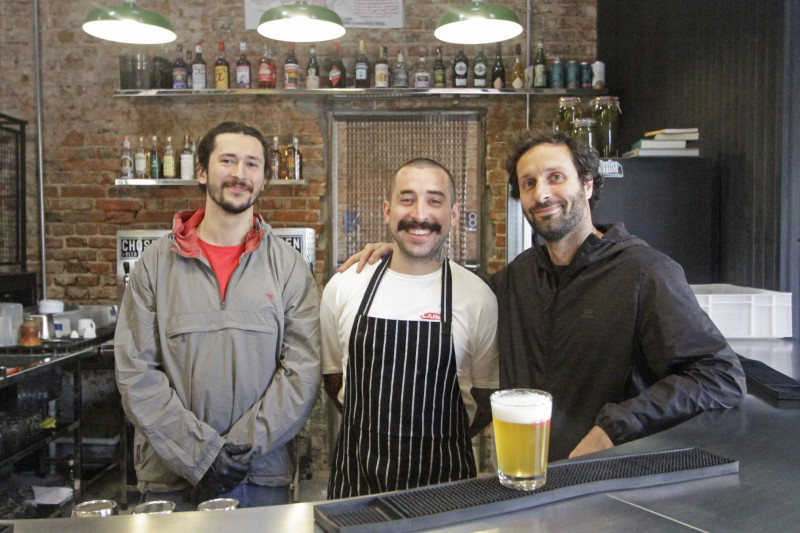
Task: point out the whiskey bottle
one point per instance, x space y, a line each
362 67
243 68
400 72
125 159
275 159
460 68
499 70
221 69
290 69
540 67
198 68
518 72
169 161
179 71
289 159
155 160
187 160
382 70
140 169
312 70
267 72
439 72
479 69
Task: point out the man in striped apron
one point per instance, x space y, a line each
410 351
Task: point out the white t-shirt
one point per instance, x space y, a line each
406 297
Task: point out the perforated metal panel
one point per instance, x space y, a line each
367 150
12 192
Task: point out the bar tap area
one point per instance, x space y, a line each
338 266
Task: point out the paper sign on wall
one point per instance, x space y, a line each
354 13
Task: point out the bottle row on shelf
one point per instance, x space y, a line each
155 164
184 72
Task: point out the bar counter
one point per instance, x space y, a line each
762 434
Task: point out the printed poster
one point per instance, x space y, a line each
376 14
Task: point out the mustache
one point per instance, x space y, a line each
234 182
413 224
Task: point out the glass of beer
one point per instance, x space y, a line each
521 421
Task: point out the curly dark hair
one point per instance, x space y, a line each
585 159
208 142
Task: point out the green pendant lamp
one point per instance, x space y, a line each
128 24
478 24
301 22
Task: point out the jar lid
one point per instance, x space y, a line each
569 100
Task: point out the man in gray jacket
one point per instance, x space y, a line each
217 343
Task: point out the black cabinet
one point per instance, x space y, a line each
673 204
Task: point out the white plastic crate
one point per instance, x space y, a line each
746 312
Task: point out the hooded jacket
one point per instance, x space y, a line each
195 372
617 338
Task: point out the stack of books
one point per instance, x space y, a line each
671 142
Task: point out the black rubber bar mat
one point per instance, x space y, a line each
449 503
765 379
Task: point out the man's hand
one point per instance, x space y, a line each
371 254
594 441
225 473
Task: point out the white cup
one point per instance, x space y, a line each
62 326
84 324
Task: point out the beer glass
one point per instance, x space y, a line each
521 421
95 508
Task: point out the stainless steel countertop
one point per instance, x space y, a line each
763 436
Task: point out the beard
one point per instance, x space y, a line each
556 227
217 195
434 251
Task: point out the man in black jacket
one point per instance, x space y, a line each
597 318
593 315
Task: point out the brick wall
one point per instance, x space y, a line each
83 124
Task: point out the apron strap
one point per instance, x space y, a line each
372 288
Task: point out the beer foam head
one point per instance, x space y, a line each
521 406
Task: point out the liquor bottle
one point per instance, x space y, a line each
290 69
188 61
422 76
439 72
221 69
540 67
187 160
382 70
125 160
289 159
460 68
479 69
400 72
140 169
499 70
169 171
179 71
155 160
243 68
312 70
275 159
298 161
198 68
337 74
518 72
267 71
362 67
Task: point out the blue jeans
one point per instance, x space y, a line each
248 496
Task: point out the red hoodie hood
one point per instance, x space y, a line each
184 229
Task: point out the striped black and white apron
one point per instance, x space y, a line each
404 423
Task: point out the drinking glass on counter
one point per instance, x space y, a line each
95 508
219 504
521 422
155 507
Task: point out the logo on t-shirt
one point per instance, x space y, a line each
431 316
